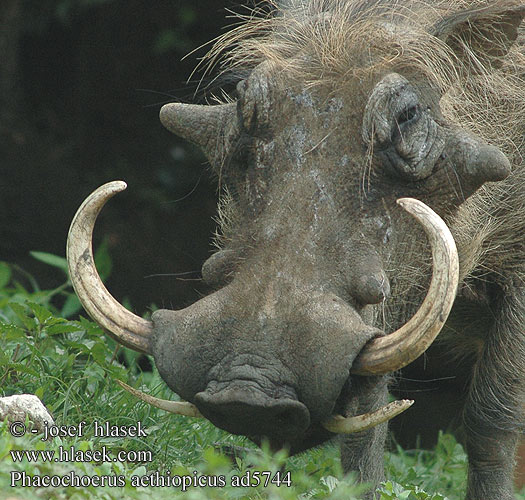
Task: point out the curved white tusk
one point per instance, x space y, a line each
176 407
349 425
392 352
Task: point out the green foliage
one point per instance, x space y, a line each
393 491
443 469
71 365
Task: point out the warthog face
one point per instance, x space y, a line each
313 271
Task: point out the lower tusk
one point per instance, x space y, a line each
176 407
348 425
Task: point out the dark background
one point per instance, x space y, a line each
81 85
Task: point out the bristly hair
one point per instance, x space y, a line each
318 42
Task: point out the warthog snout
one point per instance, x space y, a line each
244 409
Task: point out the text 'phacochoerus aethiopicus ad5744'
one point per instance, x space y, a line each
374 210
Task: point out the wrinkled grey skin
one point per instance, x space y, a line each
314 245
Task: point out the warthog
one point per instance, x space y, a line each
359 161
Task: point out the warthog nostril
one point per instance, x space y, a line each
251 412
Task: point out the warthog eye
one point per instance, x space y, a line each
404 123
408 114
407 140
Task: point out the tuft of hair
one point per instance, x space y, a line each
225 219
325 42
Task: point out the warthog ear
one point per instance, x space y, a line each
483 35
213 128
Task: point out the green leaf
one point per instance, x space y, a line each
41 313
4 360
50 259
12 332
63 328
103 260
330 482
5 274
98 351
21 368
5 447
140 471
84 445
71 306
21 313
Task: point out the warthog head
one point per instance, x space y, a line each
338 143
